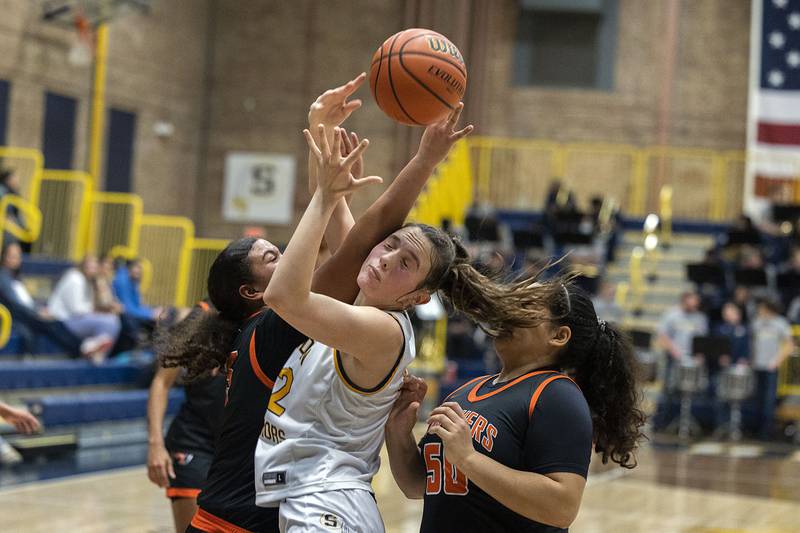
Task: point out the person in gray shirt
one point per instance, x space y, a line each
772 344
676 331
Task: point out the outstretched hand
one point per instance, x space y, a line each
349 143
331 108
440 137
335 179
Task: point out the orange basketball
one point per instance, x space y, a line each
417 77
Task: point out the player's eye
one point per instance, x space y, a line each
388 246
404 263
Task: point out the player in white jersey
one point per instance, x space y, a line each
323 430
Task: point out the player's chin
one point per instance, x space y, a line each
366 283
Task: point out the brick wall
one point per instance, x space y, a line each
235 75
156 69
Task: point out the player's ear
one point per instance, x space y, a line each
250 293
418 297
560 336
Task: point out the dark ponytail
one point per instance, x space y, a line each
202 341
602 362
488 299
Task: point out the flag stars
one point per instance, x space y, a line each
775 78
793 20
780 4
793 59
777 39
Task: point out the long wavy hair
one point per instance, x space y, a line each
602 362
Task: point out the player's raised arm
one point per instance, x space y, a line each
349 328
337 277
331 109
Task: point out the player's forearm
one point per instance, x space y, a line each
534 496
290 285
406 464
339 226
390 211
156 407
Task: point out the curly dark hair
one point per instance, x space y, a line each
202 341
602 362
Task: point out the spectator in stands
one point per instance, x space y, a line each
772 344
73 302
736 332
743 300
793 264
30 321
126 289
605 303
680 325
104 299
676 331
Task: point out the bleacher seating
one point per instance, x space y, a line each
18 375
90 407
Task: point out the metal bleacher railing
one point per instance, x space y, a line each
709 182
66 217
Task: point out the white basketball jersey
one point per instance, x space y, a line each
321 432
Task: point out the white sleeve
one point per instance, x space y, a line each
70 295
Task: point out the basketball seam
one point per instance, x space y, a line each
442 100
391 84
428 54
378 76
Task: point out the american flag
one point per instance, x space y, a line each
774 129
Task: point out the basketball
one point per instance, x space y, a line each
417 77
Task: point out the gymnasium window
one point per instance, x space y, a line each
566 43
119 150
4 86
59 131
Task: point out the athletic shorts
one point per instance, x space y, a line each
344 511
191 470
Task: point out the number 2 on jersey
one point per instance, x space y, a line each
441 472
277 395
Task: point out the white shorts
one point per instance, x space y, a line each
345 511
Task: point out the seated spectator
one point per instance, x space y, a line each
126 289
104 299
30 321
605 303
73 302
772 344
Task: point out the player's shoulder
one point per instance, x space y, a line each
559 395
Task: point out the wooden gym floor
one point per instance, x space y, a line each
707 488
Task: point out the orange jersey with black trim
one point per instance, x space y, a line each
539 422
264 344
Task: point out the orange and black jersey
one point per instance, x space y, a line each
539 422
264 344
